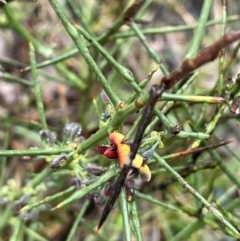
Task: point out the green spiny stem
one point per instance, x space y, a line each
16 79
37 88
120 69
149 31
44 50
197 195
173 29
77 221
83 50
48 199
87 189
199 33
34 152
150 50
135 221
125 215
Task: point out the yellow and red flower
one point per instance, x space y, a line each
121 150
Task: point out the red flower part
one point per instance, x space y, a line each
108 189
111 152
102 148
108 151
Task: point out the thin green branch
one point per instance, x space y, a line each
34 235
125 73
77 221
73 33
34 152
125 215
148 31
214 211
16 79
87 189
44 50
136 222
37 88
199 33
71 77
150 50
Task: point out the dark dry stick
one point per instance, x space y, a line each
205 56
132 10
199 149
188 65
191 168
155 93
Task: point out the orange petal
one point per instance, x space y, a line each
116 138
123 152
145 173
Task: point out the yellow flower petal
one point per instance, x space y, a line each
137 162
145 173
